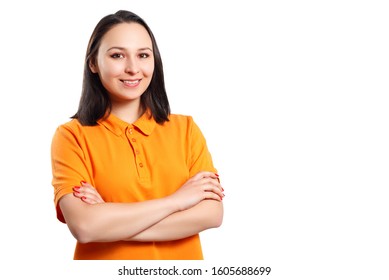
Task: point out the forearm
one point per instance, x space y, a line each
108 222
207 214
198 201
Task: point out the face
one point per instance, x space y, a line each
125 62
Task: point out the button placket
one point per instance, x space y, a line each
139 160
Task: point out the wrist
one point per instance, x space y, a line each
171 203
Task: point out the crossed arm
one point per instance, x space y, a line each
194 207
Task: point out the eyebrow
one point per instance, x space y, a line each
123 49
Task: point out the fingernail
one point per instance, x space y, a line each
83 182
217 175
83 198
76 188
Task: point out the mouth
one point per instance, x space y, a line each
131 83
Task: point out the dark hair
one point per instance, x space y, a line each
95 101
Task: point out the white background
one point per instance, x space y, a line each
292 97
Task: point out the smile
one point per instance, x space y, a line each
131 83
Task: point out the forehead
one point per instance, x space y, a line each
126 35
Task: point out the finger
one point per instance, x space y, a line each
86 184
88 200
88 190
79 193
213 196
211 181
92 192
89 194
76 192
99 199
205 174
93 195
214 189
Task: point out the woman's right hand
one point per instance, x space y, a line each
203 185
87 193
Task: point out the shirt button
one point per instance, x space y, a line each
133 140
137 152
140 164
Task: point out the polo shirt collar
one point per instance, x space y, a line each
145 124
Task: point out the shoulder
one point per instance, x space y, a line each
181 122
179 119
73 129
185 124
73 126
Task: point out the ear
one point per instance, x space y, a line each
93 67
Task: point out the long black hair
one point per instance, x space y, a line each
95 102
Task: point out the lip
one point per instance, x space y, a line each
131 82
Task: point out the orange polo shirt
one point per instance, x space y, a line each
130 163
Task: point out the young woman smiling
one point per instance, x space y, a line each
131 180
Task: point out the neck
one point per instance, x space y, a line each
128 112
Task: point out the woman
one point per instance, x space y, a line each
131 180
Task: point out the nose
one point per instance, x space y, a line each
132 66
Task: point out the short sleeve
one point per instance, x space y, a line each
68 162
200 157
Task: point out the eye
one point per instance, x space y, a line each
144 55
117 55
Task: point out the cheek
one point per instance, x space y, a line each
110 70
148 70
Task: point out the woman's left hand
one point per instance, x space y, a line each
87 193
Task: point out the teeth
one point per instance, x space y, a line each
131 82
